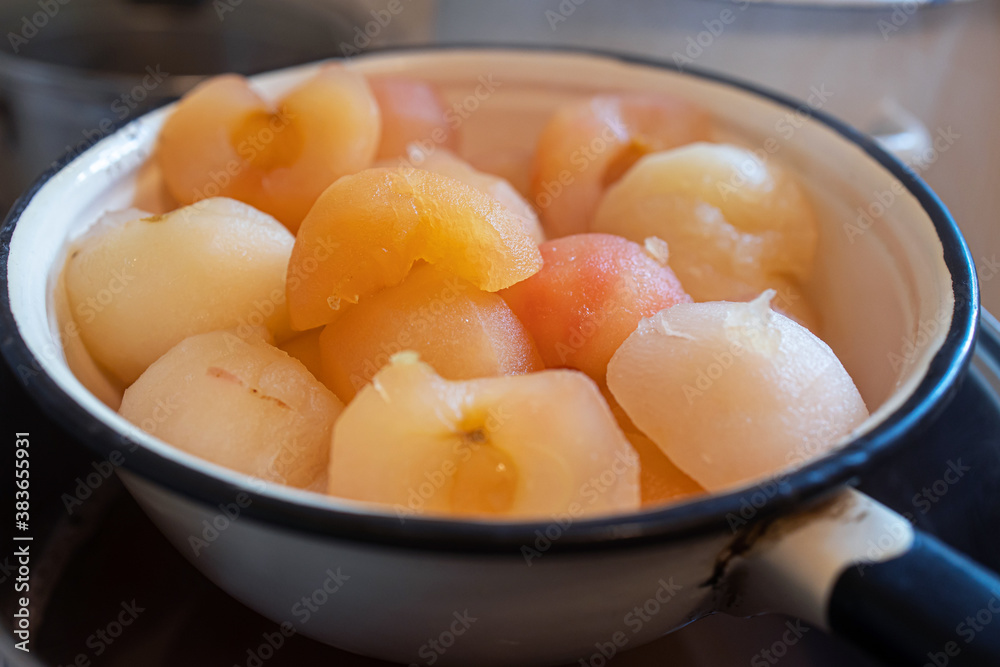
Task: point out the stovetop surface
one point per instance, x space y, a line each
105 554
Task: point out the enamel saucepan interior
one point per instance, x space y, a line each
894 284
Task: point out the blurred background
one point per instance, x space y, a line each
922 76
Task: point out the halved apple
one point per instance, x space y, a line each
514 446
240 403
224 139
138 287
733 392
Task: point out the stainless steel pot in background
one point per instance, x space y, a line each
73 70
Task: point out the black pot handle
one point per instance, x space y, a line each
930 606
861 571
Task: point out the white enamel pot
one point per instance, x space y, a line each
899 301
